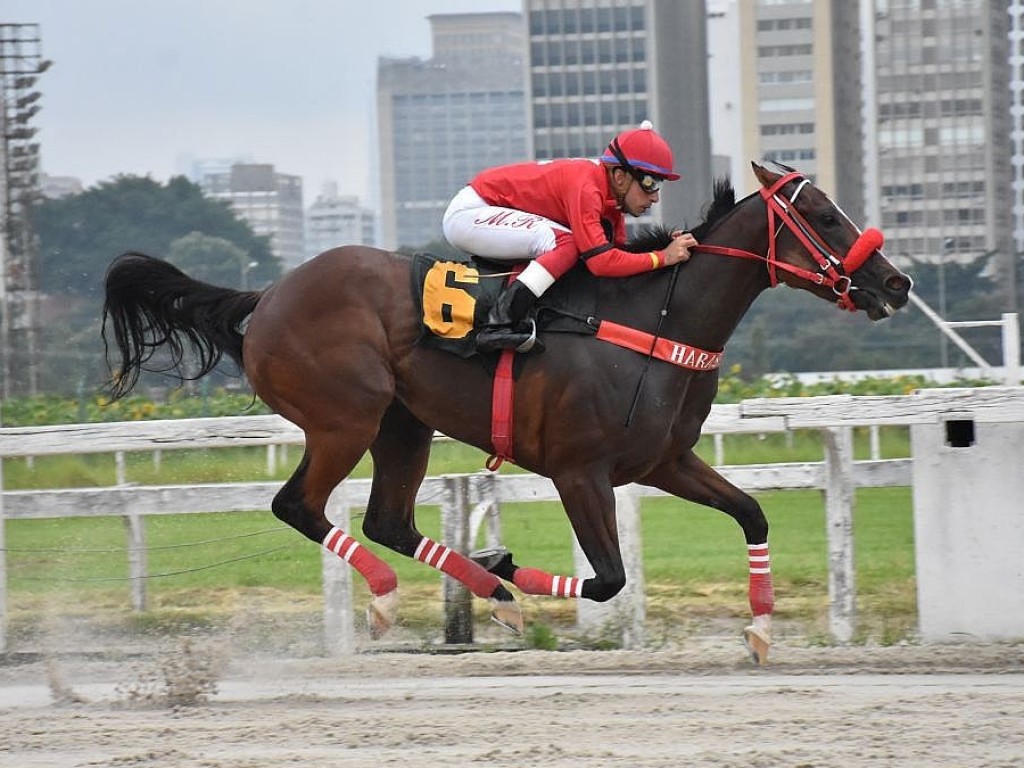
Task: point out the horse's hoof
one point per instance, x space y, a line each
488 558
496 560
507 614
758 639
381 614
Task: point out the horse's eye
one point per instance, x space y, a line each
829 219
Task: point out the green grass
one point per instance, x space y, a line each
204 567
694 561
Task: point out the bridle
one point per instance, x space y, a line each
834 270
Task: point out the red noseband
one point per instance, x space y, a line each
870 240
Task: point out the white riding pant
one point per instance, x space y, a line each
501 234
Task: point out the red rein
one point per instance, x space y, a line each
834 270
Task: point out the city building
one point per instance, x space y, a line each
55 187
270 202
444 119
334 220
598 67
800 65
943 101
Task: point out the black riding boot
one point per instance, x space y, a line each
505 329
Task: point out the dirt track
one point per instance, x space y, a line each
703 706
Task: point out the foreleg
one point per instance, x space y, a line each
590 505
692 479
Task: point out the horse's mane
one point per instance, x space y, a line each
657 237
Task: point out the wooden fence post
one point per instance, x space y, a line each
339 630
623 615
458 602
839 499
135 527
3 565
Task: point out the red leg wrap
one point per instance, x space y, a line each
378 574
762 593
480 582
534 582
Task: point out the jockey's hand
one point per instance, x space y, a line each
679 249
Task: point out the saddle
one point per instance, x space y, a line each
455 297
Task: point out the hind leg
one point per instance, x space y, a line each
400 453
589 503
329 458
692 479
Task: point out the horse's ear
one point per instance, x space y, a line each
766 177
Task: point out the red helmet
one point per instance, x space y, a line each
641 149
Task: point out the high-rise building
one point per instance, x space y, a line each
944 132
802 96
334 220
270 202
444 119
598 67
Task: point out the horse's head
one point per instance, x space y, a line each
814 246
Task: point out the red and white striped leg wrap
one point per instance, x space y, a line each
480 582
534 582
379 575
762 593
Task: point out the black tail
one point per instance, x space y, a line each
152 304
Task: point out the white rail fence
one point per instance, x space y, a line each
468 502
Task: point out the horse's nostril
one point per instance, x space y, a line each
898 284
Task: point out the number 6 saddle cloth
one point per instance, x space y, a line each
455 297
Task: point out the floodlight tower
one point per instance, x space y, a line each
21 64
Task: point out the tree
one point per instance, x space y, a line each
79 235
210 259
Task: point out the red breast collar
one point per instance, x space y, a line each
675 352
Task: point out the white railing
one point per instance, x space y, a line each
467 501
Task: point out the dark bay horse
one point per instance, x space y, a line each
332 347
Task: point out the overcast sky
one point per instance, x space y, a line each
139 86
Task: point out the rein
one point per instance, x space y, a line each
834 271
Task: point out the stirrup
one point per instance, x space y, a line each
529 344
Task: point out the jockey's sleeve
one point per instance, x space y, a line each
616 262
598 250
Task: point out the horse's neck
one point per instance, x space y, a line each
713 295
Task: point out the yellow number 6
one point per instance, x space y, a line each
448 307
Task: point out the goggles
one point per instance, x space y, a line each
648 183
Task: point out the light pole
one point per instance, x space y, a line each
947 247
245 273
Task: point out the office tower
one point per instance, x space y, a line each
334 220
270 202
944 132
444 119
802 98
598 67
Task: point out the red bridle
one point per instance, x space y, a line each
833 270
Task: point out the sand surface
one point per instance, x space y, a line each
700 705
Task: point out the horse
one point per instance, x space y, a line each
332 347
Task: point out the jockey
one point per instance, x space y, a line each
556 212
